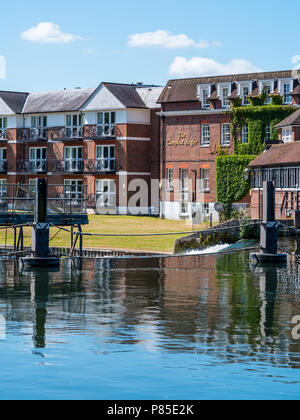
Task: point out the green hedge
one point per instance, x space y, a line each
231 185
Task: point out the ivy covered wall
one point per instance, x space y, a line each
231 186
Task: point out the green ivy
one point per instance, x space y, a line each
231 185
257 118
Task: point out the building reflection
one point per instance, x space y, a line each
203 304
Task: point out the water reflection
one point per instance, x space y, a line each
215 305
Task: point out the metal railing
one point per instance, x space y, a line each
106 130
3 134
74 132
62 199
38 133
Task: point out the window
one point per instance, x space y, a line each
74 127
245 94
3 128
225 134
105 158
206 209
105 192
225 100
287 97
106 124
3 159
268 88
3 188
268 132
73 189
170 175
204 179
204 91
205 135
38 128
287 135
38 159
245 133
184 189
74 159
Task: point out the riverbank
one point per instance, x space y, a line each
113 225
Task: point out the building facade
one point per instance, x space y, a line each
196 127
100 138
280 163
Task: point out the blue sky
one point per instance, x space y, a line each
140 41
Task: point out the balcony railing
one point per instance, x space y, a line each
74 132
38 133
3 134
31 166
100 165
106 130
73 165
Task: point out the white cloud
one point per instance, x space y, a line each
48 33
199 66
165 39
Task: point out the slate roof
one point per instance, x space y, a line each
284 154
293 119
181 90
56 101
14 100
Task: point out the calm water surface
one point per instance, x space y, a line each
195 327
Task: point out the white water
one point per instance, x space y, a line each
211 250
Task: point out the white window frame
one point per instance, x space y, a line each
3 188
201 90
73 163
38 164
3 128
267 84
38 126
245 134
225 100
287 134
106 121
74 125
106 162
205 135
205 179
184 190
170 179
225 135
76 189
3 159
105 193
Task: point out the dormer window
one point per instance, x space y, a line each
285 87
224 90
244 90
267 86
204 91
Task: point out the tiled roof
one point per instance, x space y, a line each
279 155
181 90
56 101
14 100
293 119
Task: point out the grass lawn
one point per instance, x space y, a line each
117 225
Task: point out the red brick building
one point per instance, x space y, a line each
196 126
102 138
280 163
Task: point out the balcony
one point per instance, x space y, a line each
73 165
106 130
74 132
39 166
100 166
38 133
